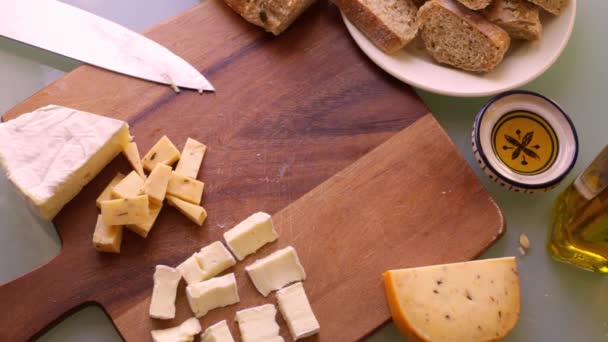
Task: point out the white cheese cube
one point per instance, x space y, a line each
250 235
156 184
191 158
184 332
50 154
296 310
273 272
128 187
214 259
211 294
125 211
218 332
191 270
185 188
107 238
163 152
166 280
258 324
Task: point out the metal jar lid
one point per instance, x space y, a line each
524 141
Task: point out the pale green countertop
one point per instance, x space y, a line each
559 302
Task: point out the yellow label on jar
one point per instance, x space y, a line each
525 142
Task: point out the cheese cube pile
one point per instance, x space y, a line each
134 201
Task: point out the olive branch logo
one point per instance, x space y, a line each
520 145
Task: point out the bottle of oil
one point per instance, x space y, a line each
580 219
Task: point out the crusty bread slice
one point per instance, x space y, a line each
273 15
459 37
476 4
552 6
519 18
389 24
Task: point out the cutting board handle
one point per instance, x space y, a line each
33 302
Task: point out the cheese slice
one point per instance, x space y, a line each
155 185
106 194
185 188
211 294
467 301
191 159
50 154
191 270
143 229
296 310
107 238
166 280
258 324
250 235
218 332
163 152
273 272
214 259
184 332
125 211
195 213
130 186
132 154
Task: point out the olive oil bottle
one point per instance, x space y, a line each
579 234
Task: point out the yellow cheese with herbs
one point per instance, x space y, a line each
125 211
194 212
130 186
156 184
191 158
132 153
163 152
107 238
185 188
106 194
144 228
468 301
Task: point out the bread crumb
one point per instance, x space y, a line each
524 241
522 251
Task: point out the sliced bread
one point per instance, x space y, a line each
272 15
462 38
519 18
552 6
389 24
476 4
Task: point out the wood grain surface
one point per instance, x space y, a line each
293 113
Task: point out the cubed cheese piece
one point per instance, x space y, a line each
166 279
250 235
163 152
125 211
258 324
107 238
296 310
191 159
144 228
50 154
273 272
214 259
156 184
184 332
218 332
107 192
132 153
130 186
211 294
185 188
191 270
195 213
467 301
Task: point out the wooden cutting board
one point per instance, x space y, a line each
373 181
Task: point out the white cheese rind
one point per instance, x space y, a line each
297 312
182 333
250 235
51 153
211 294
214 259
218 332
166 280
258 324
278 269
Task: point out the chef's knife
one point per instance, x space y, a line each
72 32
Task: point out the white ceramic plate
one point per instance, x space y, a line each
523 63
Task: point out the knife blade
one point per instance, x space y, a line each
78 34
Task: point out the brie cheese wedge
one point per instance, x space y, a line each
166 280
250 235
218 332
214 259
182 333
258 324
211 294
296 310
280 268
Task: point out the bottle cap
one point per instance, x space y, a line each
524 141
